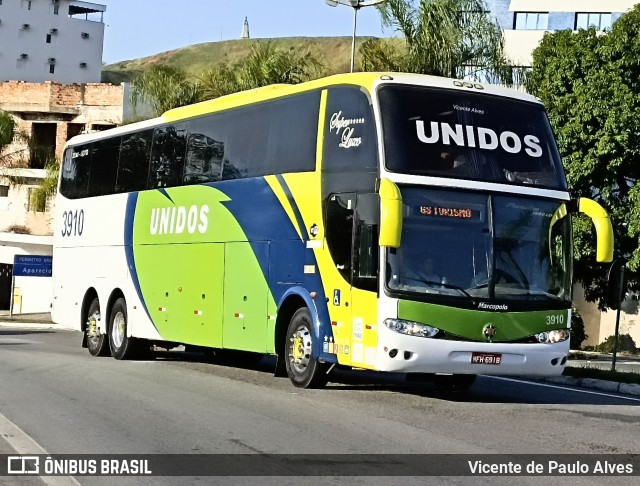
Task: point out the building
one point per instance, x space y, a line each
525 21
50 68
50 114
51 40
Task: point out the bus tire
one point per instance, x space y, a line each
97 343
303 369
122 346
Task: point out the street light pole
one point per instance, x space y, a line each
356 5
353 36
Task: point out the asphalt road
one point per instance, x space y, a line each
180 403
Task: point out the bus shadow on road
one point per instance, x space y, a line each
486 389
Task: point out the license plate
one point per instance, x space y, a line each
486 358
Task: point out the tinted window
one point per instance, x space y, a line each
167 156
466 135
349 132
339 227
205 152
75 171
134 162
270 138
104 167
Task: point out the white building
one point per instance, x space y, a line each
51 40
525 21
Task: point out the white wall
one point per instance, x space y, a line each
32 295
67 46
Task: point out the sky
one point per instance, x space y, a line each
140 28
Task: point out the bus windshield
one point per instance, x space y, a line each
468 135
482 247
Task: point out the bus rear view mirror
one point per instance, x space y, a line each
390 214
602 223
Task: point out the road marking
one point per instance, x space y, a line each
25 445
580 390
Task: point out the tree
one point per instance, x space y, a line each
589 83
451 38
47 188
7 130
165 88
265 65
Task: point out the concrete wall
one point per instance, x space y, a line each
72 41
85 104
600 325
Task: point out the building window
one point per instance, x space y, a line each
48 38
4 191
56 9
531 21
600 21
52 68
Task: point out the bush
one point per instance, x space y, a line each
625 344
578 335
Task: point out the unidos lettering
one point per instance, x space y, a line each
480 137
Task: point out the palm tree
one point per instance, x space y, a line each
7 130
164 88
452 38
265 65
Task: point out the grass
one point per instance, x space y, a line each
333 52
598 374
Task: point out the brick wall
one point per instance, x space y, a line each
21 96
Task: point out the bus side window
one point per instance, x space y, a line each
168 156
365 251
134 162
75 171
273 137
339 229
104 167
205 151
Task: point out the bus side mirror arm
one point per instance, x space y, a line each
602 223
390 214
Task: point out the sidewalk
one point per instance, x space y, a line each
44 317
35 321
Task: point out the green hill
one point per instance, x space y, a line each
333 52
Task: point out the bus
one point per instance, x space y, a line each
378 221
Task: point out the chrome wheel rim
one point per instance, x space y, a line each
118 329
92 327
300 349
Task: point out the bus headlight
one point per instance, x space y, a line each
411 328
555 336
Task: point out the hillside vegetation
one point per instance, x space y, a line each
333 52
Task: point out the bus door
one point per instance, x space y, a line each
352 229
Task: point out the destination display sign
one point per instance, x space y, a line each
449 212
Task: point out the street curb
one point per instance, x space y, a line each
35 325
602 385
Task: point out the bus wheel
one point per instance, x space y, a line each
454 382
303 370
122 346
97 342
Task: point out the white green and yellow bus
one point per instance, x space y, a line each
389 222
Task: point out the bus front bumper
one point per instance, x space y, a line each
411 354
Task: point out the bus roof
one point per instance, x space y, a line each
366 80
